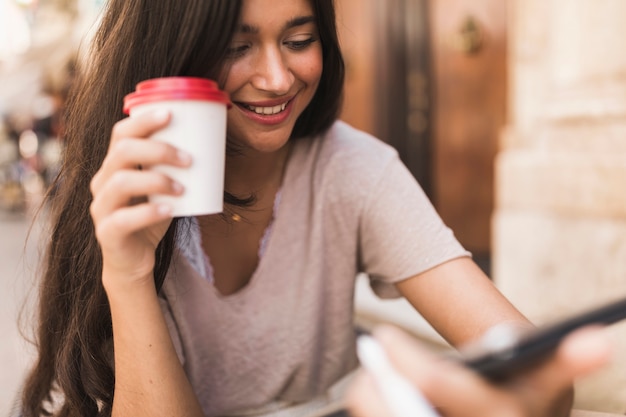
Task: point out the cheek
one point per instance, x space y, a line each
231 120
233 77
310 68
316 71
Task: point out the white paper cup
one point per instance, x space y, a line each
198 127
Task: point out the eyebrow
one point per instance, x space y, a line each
295 22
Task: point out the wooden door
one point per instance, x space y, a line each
429 77
386 48
468 49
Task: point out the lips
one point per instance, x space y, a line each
268 107
266 110
270 112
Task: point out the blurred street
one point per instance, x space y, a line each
18 268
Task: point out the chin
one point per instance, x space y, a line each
270 147
263 142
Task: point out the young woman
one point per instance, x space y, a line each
248 312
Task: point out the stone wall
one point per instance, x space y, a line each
559 228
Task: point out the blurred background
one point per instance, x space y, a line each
40 41
510 113
39 44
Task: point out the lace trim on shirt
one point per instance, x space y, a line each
190 243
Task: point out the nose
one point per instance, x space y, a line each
272 72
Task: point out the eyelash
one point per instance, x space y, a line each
299 45
238 51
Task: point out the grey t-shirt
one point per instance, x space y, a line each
348 205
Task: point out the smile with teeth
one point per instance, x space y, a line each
267 111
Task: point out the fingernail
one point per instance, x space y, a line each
177 187
184 157
161 115
164 209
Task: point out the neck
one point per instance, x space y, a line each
254 172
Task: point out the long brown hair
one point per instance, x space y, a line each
137 40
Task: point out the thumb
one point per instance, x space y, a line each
585 351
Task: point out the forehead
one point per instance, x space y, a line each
275 14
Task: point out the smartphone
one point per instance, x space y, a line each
515 353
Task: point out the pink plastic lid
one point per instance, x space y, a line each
175 88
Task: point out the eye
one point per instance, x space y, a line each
237 49
300 44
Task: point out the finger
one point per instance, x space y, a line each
127 185
580 353
128 153
363 398
129 220
140 126
549 385
451 388
586 350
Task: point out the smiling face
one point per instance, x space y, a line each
272 73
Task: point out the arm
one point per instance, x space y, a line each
149 379
459 301
457 392
455 297
401 232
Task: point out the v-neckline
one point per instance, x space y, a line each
276 225
264 244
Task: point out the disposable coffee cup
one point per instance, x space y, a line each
197 126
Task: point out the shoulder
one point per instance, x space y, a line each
345 139
343 165
352 152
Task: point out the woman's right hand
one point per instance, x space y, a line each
127 226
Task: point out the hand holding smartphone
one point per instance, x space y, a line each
514 353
